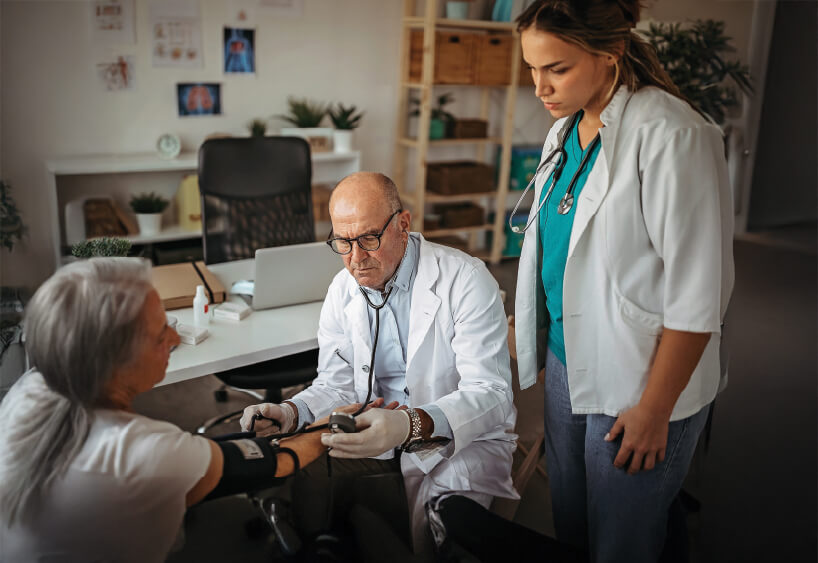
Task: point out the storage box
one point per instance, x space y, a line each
524 162
459 177
460 215
189 204
454 57
514 241
513 244
493 61
469 129
176 284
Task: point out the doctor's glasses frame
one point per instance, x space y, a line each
369 242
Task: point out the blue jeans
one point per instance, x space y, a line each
597 507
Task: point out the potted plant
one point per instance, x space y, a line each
345 120
257 127
694 55
306 116
441 119
148 208
11 225
103 246
12 300
458 9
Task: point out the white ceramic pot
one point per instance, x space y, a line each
342 140
319 138
457 10
149 223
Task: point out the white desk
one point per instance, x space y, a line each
264 335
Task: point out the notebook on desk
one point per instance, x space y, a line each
297 273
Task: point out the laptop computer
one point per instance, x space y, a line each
292 274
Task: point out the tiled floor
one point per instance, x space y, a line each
757 481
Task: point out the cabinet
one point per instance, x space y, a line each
484 55
71 177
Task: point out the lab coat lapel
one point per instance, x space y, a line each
597 183
358 318
424 303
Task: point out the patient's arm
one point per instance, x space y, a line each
306 446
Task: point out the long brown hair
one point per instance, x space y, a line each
601 27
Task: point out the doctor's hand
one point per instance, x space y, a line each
283 414
379 430
645 437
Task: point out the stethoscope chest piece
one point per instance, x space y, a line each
565 205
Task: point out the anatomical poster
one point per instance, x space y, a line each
176 33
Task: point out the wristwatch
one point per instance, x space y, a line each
415 439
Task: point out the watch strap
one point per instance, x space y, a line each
415 428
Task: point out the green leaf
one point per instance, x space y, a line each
694 57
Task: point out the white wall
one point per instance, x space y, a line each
51 103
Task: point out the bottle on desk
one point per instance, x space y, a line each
201 307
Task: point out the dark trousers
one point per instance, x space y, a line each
374 484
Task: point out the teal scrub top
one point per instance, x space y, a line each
555 234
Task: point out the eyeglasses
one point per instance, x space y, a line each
368 242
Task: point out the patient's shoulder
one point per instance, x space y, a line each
124 444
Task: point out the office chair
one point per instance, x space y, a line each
256 194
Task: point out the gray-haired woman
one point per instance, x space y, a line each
83 477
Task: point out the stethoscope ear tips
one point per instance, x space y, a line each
516 229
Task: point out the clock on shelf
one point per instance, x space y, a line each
168 146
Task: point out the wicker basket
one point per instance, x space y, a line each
459 177
492 62
459 215
468 129
455 54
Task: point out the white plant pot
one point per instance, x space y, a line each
457 10
149 223
319 138
342 140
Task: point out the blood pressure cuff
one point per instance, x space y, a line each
249 465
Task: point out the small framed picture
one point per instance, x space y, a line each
239 50
199 98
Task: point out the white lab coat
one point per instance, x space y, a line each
457 358
650 247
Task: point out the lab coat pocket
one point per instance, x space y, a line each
345 352
639 319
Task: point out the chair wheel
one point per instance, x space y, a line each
220 395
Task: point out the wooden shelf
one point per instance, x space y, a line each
413 142
150 162
411 165
166 235
432 197
446 232
486 25
461 244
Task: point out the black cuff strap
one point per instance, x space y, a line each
249 465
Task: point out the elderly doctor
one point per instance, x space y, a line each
625 275
441 351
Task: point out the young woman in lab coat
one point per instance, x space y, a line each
623 281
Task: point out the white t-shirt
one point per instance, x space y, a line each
123 496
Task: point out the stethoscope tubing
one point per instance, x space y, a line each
568 199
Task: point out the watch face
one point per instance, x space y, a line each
168 145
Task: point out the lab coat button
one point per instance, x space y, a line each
366 369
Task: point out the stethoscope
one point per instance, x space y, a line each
348 417
558 164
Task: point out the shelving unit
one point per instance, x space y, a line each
411 154
327 168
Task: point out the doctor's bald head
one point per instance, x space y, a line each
366 207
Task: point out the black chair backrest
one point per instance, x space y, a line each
255 194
